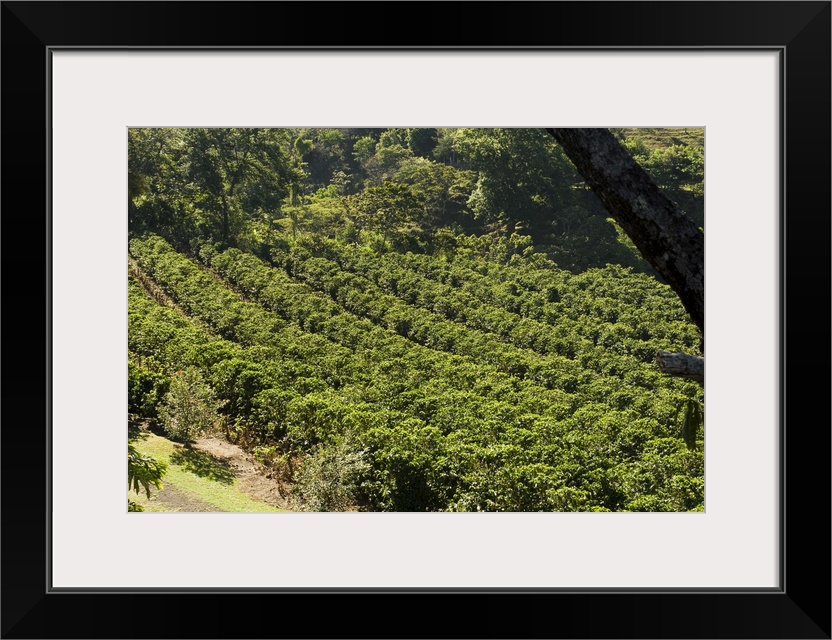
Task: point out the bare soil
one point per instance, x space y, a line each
253 478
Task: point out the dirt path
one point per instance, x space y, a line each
211 458
253 479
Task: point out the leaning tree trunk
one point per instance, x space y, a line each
667 238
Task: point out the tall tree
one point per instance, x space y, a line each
667 238
239 173
523 176
440 188
155 186
383 209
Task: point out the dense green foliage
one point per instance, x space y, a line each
387 312
142 473
190 407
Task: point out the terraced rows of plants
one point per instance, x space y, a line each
376 353
592 310
431 394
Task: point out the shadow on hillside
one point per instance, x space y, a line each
134 430
203 465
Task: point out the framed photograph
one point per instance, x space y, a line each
742 550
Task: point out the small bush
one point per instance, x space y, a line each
190 407
328 478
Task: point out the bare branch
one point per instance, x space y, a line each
682 365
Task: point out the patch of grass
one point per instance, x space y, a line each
149 504
196 474
203 464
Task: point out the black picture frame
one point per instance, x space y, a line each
800 608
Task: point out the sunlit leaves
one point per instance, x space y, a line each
143 472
